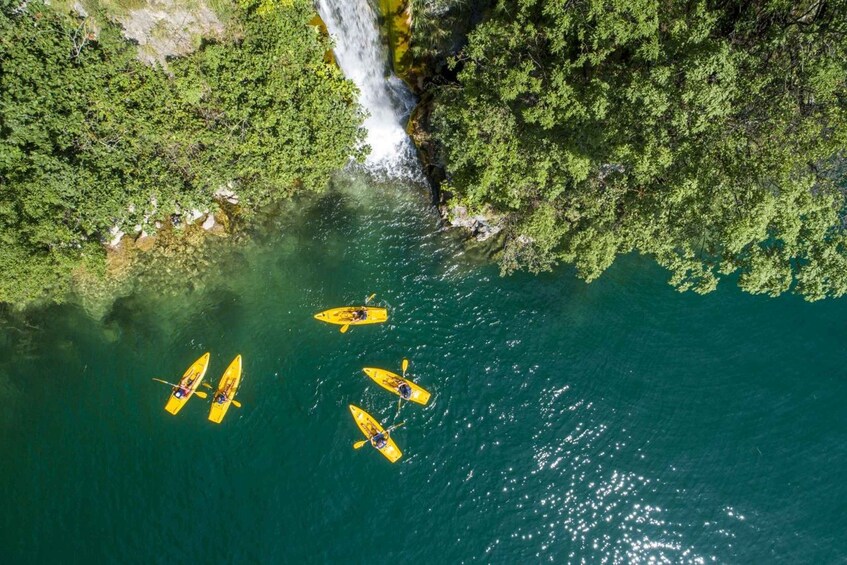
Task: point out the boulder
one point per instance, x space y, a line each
116 234
227 194
480 226
195 215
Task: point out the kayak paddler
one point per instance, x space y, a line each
220 398
405 391
182 390
379 440
359 315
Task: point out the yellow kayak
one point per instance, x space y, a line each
391 382
370 428
226 391
344 316
189 383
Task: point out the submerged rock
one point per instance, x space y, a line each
145 241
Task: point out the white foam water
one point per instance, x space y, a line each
360 54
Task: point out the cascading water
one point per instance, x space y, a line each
363 59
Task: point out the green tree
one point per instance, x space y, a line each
707 134
91 138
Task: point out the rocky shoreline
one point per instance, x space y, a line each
213 221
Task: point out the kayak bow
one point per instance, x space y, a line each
230 381
370 427
191 380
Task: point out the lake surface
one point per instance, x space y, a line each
614 422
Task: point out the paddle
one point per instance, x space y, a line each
234 402
400 400
387 431
197 392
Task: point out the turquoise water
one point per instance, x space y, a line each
619 421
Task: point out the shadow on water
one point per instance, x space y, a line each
308 218
131 318
41 332
220 310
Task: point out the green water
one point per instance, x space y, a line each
617 421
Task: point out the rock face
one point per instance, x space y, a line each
80 9
396 28
418 129
169 28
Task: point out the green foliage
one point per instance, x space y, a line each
706 134
91 138
439 27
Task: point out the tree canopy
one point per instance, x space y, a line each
708 134
91 138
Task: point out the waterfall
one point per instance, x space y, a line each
360 54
